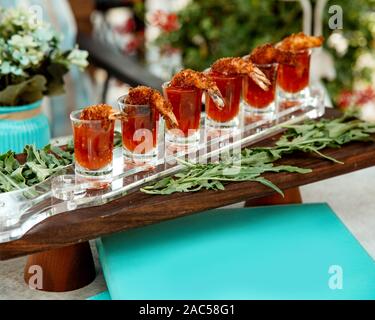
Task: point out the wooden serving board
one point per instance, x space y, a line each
139 209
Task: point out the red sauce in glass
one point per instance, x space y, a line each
187 107
230 88
133 133
294 78
93 144
255 96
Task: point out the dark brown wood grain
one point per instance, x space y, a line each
138 209
291 196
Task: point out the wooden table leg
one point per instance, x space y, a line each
291 196
64 269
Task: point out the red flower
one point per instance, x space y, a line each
365 96
135 42
127 27
345 99
132 45
355 98
167 22
168 49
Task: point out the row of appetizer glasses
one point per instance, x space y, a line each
234 89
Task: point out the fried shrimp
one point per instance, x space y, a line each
232 66
142 95
299 42
268 54
189 78
97 112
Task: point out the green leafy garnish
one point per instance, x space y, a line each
249 165
39 165
252 163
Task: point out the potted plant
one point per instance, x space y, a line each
32 66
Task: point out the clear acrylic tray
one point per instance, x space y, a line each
22 209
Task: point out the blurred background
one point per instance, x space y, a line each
133 42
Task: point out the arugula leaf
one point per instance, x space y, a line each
19 178
249 165
39 165
8 184
269 184
10 163
310 137
42 173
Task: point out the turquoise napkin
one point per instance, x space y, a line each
101 296
278 252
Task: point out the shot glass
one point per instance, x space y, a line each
227 117
139 128
187 107
93 145
259 102
293 80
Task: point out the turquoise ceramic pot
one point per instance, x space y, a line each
30 127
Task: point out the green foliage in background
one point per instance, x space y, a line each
359 32
211 29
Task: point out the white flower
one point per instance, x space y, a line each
44 35
368 112
78 58
366 60
18 17
7 68
18 41
338 42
